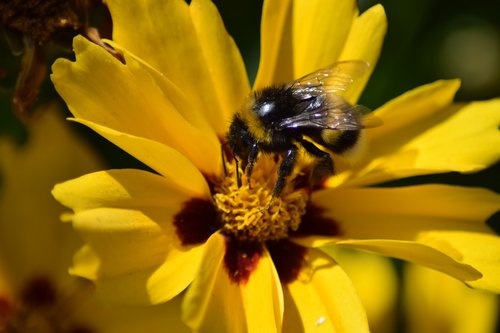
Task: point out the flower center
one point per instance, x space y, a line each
41 307
251 213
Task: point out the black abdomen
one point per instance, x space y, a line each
345 141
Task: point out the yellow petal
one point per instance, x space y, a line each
423 134
413 107
484 258
298 37
215 303
411 223
468 140
364 42
132 99
90 310
380 302
417 253
405 118
322 299
86 263
461 137
111 231
125 188
175 167
320 29
140 261
212 303
223 58
434 301
275 44
182 103
126 218
190 47
262 298
156 284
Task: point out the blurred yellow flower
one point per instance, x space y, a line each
435 303
424 299
37 294
252 267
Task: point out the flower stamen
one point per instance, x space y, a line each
251 212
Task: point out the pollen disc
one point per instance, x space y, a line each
251 213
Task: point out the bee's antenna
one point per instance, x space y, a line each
236 162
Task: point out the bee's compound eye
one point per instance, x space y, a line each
265 108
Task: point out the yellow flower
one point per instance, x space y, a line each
436 303
36 292
252 265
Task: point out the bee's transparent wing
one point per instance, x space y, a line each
335 79
335 114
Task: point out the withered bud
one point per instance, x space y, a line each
39 19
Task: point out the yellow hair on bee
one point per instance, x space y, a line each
330 136
253 122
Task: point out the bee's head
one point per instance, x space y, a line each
238 136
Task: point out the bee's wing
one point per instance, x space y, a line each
335 79
337 114
370 120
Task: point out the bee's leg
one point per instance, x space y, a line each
223 157
324 166
252 158
236 163
238 175
285 170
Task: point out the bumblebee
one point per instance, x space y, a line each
309 112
